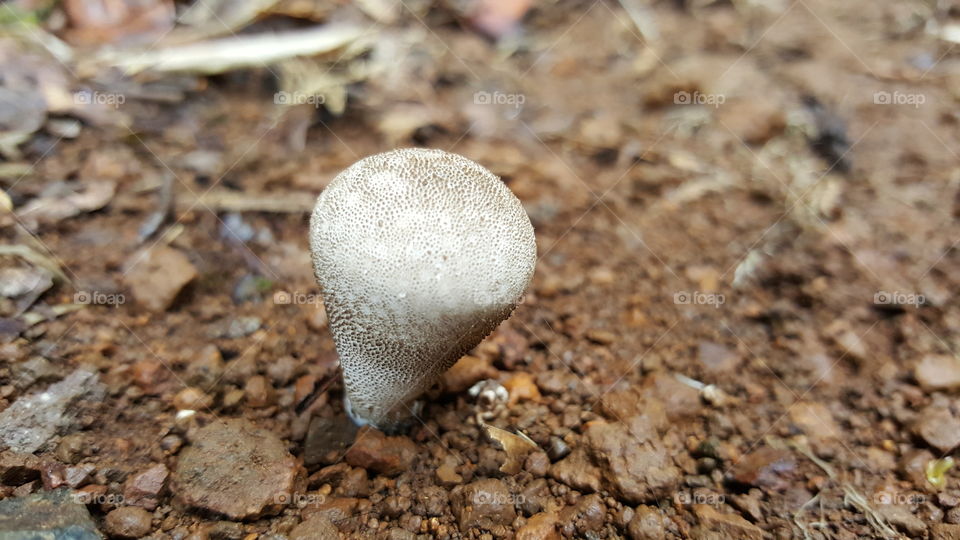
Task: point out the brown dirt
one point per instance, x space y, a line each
746 245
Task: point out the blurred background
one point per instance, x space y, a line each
747 219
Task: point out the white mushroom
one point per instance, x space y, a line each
419 254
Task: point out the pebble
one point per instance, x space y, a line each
314 528
520 387
726 525
49 514
815 420
585 516
938 372
647 524
577 471
17 469
939 428
537 463
147 374
157 275
716 358
206 369
144 489
259 392
327 439
484 504
128 522
282 370
192 399
379 453
600 337
236 469
34 370
765 468
32 420
466 372
900 516
633 462
542 526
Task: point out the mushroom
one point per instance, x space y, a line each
419 255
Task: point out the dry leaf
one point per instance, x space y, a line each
516 446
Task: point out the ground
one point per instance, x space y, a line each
742 322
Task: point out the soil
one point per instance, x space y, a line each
742 324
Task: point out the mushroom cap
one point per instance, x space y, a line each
419 254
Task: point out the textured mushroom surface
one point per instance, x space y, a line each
420 254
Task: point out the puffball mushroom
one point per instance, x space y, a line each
419 255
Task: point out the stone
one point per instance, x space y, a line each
577 471
466 372
944 531
32 420
716 358
483 504
145 488
938 372
258 391
900 516
157 275
51 514
17 469
815 420
128 522
939 428
520 386
585 516
765 468
633 462
726 525
192 399
327 439
377 452
647 523
314 528
206 369
542 526
234 468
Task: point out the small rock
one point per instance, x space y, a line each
944 531
939 428
577 471
901 517
938 372
537 463
128 522
206 369
27 424
36 369
913 466
50 514
282 370
716 358
447 474
753 121
600 337
237 469
679 400
397 533
192 399
484 504
147 374
314 528
225 530
727 525
764 468
520 386
633 461
541 526
377 452
647 524
335 510
258 391
78 475
157 275
466 372
144 489
587 515
814 419
327 439
557 381
17 469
